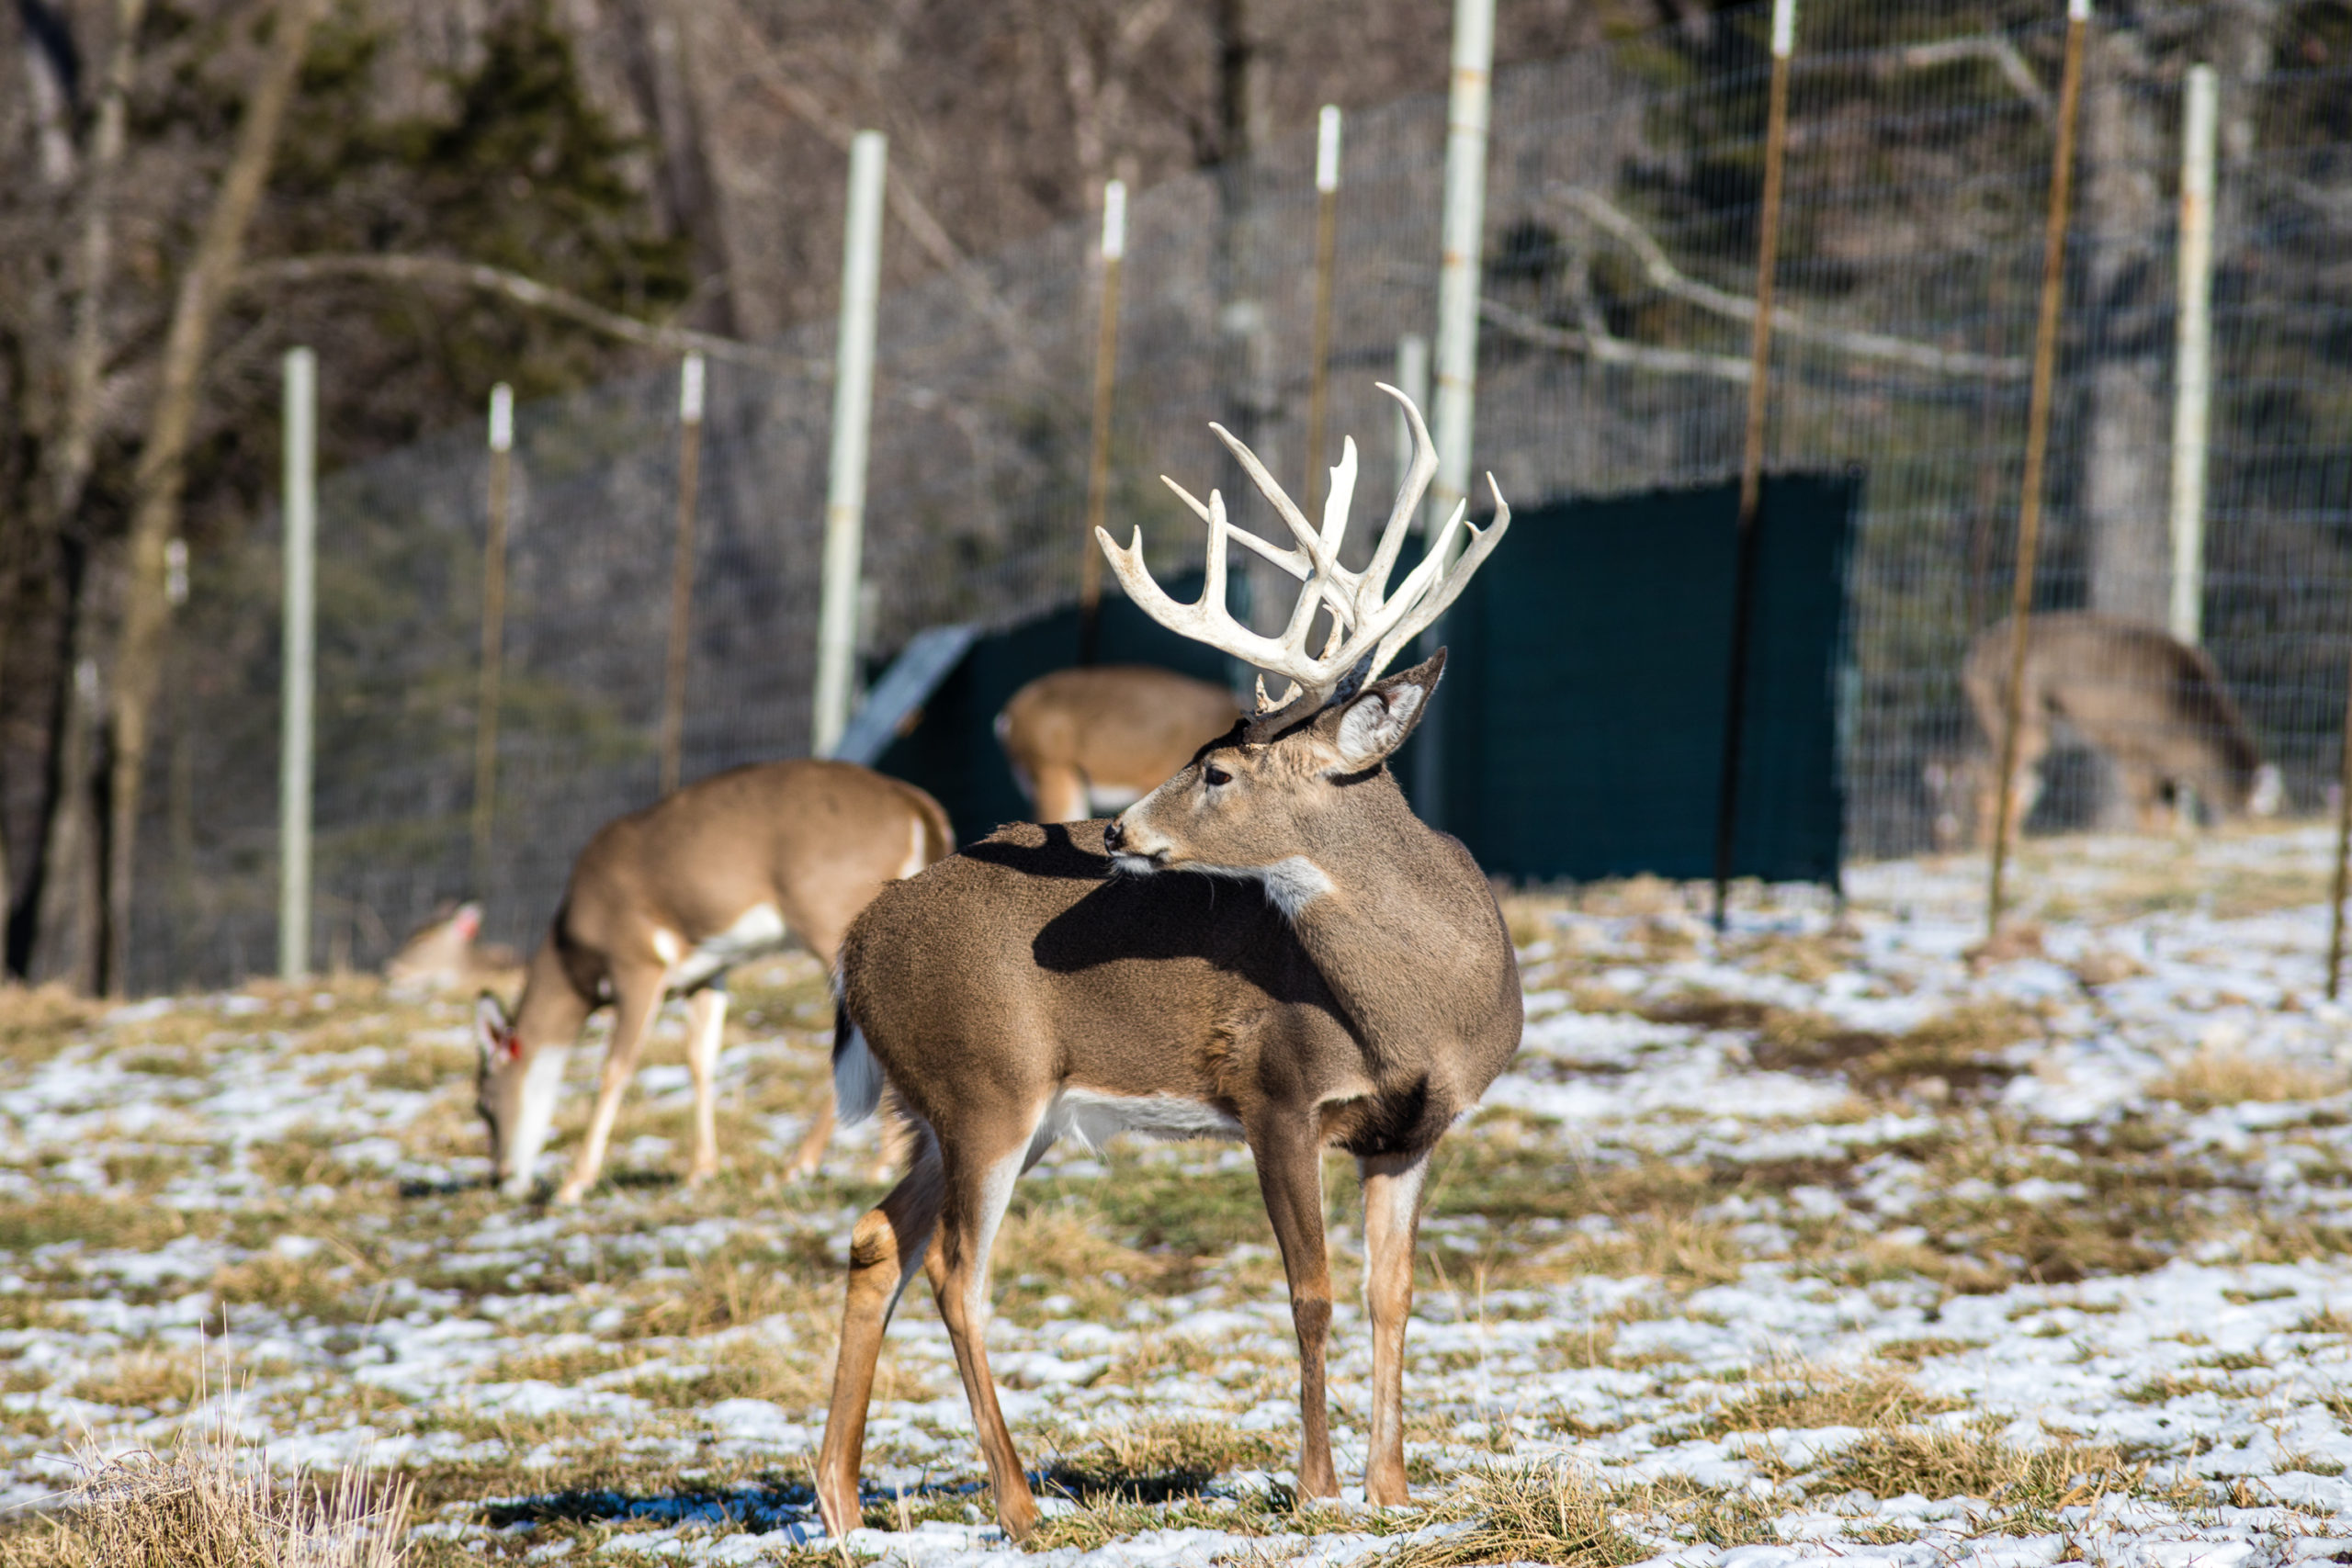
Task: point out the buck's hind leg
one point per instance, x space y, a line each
980 1174
1289 1177
1392 1222
886 1249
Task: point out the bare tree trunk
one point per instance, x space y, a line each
162 463
2124 476
66 900
2127 547
57 888
659 50
70 472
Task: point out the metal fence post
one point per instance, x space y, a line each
1461 243
2037 443
301 568
2193 363
1751 460
682 573
853 416
1098 457
1327 247
493 631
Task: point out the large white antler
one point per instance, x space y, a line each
1366 617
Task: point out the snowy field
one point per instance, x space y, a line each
1817 1242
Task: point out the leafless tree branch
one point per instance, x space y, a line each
1600 345
1667 278
448 272
1986 46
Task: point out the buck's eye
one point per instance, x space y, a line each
1216 775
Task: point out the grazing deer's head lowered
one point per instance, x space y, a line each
1071 980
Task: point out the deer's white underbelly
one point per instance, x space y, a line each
757 932
1092 1116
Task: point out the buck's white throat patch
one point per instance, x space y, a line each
1291 884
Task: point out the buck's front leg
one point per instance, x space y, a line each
1290 1176
1392 1222
706 1028
636 995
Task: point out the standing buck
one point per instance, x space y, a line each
1083 741
1096 979
2152 705
665 902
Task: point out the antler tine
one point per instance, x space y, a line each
1294 562
1482 544
1309 539
1341 496
1207 620
1370 625
1415 485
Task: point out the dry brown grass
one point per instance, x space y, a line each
1684 1253
1558 1514
1061 1250
1806 1398
797 1376
731 1287
37 1022
209 1504
2030 1485
144 1379
1148 1458
2212 1078
1914 1351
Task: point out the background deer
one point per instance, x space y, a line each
445 954
666 900
2152 705
1091 741
1094 978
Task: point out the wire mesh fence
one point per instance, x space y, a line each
1621 233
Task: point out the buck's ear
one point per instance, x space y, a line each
466 921
1375 724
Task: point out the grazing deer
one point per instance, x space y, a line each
2152 705
665 902
1083 741
1096 979
443 956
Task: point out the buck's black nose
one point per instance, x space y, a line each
1113 835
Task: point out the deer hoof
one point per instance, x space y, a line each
569 1193
1016 1516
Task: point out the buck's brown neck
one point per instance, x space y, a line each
1408 937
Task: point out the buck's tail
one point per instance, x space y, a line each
857 1077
